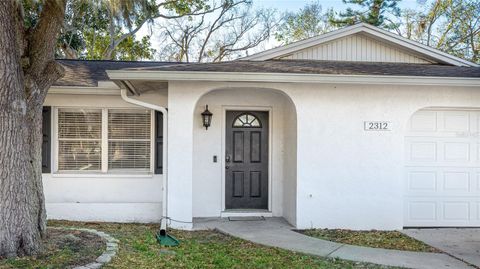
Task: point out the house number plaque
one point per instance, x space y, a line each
377 126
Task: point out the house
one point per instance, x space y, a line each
358 128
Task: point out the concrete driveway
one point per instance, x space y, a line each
461 243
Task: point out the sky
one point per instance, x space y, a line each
291 6
338 5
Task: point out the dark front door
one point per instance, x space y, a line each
246 160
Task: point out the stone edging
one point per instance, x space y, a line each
107 255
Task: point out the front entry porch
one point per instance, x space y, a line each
243 164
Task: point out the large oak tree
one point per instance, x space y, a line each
27 70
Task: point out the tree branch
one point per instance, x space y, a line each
42 42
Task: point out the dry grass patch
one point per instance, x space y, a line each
62 249
375 239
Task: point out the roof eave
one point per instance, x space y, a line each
122 75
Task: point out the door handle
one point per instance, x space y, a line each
227 167
227 158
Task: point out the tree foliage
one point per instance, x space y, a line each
308 22
92 33
107 29
452 26
374 12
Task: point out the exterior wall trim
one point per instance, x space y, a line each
83 90
292 78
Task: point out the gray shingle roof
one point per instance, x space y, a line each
325 67
85 73
89 73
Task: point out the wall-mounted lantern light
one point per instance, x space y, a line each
206 118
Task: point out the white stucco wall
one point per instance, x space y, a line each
208 177
97 196
290 163
346 177
340 177
350 178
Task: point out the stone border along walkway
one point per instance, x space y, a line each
107 255
276 232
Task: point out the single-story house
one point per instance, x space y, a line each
358 128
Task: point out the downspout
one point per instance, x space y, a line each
123 91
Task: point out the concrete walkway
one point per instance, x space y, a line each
461 243
276 232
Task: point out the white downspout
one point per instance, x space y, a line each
163 224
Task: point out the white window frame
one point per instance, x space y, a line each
104 143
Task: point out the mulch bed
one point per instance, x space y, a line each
62 249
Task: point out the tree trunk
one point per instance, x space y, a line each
27 70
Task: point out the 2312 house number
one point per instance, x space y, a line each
377 126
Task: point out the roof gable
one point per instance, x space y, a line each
358 48
360 42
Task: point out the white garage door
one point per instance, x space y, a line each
442 178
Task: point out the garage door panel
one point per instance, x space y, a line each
442 173
456 151
422 181
456 211
456 121
445 181
456 181
442 152
424 121
422 210
437 212
423 151
478 212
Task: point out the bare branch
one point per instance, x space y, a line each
233 30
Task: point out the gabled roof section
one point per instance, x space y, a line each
419 50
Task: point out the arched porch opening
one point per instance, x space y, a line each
212 148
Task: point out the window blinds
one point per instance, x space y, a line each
129 139
79 139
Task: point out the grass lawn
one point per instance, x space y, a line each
375 239
138 248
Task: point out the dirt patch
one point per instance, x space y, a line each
62 249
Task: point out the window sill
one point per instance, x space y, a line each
101 175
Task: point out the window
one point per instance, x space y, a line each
129 139
79 139
104 140
246 121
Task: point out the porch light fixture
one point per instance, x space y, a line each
206 118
